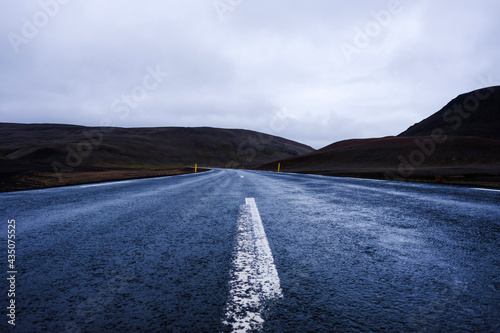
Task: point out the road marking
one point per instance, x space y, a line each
254 278
104 184
486 189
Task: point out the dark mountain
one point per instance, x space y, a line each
476 113
65 149
458 144
165 146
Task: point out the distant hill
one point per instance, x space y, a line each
476 114
458 144
26 149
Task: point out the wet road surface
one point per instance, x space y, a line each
229 249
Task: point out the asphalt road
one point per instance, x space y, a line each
229 249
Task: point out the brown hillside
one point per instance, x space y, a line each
476 113
64 149
443 147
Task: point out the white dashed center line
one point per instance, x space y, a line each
254 278
485 189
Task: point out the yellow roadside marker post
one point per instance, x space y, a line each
195 168
279 166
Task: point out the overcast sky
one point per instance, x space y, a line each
314 71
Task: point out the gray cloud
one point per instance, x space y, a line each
243 71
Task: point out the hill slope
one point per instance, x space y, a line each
458 144
476 113
26 149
